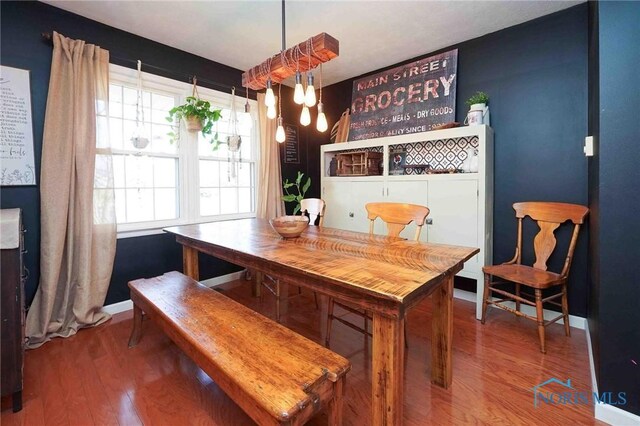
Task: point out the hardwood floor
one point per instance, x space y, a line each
92 378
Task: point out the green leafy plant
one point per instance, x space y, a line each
203 111
292 197
478 98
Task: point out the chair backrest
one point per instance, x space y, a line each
549 216
397 216
314 208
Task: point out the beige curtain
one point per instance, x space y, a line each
78 231
270 202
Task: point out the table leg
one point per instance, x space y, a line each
190 262
256 289
388 370
442 334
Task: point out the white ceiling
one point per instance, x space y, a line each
372 34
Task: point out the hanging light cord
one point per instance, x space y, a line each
320 82
279 100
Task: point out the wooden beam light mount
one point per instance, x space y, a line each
322 48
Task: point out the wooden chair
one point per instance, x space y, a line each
315 208
397 216
549 216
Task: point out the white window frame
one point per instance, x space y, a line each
188 157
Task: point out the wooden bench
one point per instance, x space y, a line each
274 374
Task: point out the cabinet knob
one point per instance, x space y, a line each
429 221
350 214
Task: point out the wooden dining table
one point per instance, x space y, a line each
387 276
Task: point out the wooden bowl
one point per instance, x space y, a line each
289 226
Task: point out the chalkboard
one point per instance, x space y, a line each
291 145
410 98
17 165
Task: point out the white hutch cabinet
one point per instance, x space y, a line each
461 204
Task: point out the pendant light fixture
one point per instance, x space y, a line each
271 112
298 94
310 95
321 124
280 135
318 49
247 107
269 99
305 116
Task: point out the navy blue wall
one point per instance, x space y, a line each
536 76
22 47
617 180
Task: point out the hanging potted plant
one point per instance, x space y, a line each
198 116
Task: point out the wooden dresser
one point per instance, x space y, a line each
12 304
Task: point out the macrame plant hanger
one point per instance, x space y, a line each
234 141
138 138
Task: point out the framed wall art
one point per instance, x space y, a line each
17 164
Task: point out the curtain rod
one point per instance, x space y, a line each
47 38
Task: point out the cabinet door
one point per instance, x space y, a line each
412 192
337 197
454 211
363 192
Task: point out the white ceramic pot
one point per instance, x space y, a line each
478 114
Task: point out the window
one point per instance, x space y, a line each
175 183
225 189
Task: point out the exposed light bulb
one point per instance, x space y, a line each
280 135
310 96
305 116
269 98
298 94
271 112
321 124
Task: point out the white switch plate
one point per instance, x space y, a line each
588 146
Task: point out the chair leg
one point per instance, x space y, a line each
540 316
278 300
518 294
565 311
485 296
330 305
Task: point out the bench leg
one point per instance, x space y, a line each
334 410
137 326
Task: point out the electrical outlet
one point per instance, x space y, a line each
588 146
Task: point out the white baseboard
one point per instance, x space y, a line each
116 308
605 412
223 279
127 305
574 321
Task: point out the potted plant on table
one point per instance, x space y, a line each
198 115
289 197
293 226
